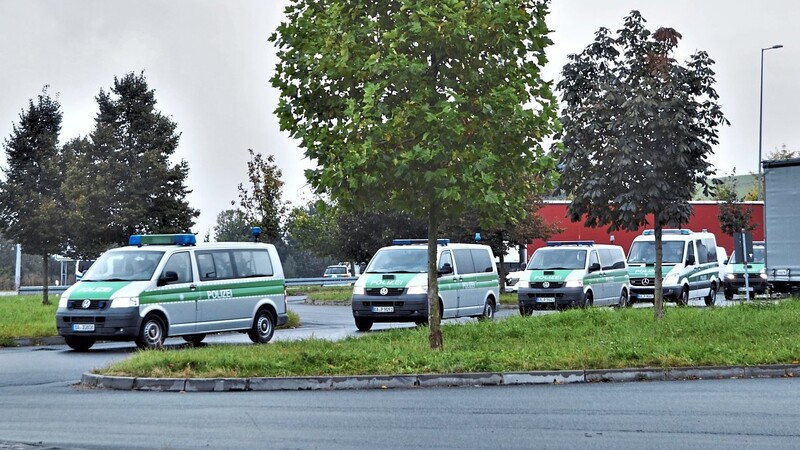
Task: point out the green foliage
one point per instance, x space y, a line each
232 226
733 215
262 202
24 316
120 181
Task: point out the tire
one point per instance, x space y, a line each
525 310
194 339
263 327
363 324
624 299
683 300
152 334
488 311
79 344
712 295
728 295
587 300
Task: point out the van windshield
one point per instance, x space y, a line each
558 259
399 260
644 252
758 256
136 265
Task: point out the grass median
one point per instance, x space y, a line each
599 338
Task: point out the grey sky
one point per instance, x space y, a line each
209 62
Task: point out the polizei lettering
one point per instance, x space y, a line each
221 293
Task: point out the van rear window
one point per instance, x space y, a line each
227 264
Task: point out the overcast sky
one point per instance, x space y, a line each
209 63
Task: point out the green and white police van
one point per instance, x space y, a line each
168 285
757 282
573 273
394 286
690 268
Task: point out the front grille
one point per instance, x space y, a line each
551 285
640 282
370 304
390 291
84 319
94 304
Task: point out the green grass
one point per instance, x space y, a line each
24 316
323 294
748 334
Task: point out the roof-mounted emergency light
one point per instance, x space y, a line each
418 241
682 231
560 243
139 240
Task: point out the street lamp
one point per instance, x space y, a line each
760 117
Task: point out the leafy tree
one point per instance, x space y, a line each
423 107
638 131
120 181
31 204
733 216
232 226
262 202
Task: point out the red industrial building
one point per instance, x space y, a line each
705 217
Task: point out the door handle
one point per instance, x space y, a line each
192 287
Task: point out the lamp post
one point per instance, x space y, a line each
761 116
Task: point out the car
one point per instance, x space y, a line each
512 280
336 271
756 275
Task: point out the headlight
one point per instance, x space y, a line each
763 275
358 290
671 280
416 290
125 302
62 302
574 283
730 276
524 284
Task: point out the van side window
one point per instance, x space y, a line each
702 252
482 260
690 253
214 265
593 258
252 263
446 258
181 264
464 264
711 249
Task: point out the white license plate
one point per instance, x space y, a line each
545 299
742 289
647 296
383 309
82 327
782 272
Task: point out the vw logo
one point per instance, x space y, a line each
546 284
384 291
86 304
645 281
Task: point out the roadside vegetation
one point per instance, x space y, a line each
748 334
340 295
24 316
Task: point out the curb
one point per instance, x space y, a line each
435 380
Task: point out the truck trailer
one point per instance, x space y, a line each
781 220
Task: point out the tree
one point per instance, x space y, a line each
232 227
120 181
430 108
262 202
31 204
638 131
733 216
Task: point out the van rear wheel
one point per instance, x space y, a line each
263 327
712 295
194 339
488 311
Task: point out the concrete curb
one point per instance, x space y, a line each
435 380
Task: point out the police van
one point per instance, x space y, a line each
756 274
690 268
168 285
574 273
394 286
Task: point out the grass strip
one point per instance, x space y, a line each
598 338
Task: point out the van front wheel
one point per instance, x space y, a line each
263 327
712 295
79 344
363 324
152 333
683 300
488 311
587 300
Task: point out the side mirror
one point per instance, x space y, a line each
446 269
167 277
594 267
690 260
725 262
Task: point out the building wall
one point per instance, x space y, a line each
705 217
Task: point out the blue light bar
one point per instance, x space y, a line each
418 241
139 240
255 231
560 243
682 231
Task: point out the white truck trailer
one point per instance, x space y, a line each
782 223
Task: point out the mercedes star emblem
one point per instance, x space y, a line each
645 281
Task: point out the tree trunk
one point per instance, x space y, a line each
658 298
434 314
45 280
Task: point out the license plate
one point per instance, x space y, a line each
741 289
647 296
545 299
82 327
782 272
382 309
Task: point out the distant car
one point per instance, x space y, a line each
512 279
336 271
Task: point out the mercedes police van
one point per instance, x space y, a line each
394 286
574 273
168 285
756 274
690 268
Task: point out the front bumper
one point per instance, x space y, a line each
400 308
647 294
109 324
549 298
757 284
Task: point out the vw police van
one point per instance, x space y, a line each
690 268
574 273
756 274
394 286
168 285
